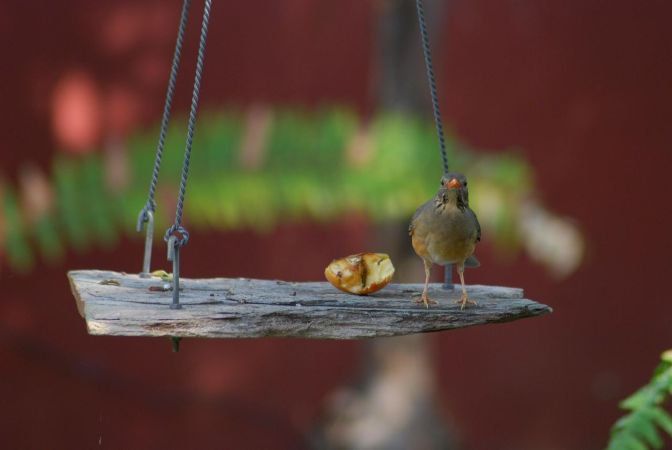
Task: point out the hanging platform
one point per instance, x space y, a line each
119 304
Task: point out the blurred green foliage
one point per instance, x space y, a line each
16 244
640 428
306 174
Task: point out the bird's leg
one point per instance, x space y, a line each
464 298
425 298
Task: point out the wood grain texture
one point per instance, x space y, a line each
248 308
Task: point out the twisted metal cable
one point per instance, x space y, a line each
177 226
150 206
432 83
448 269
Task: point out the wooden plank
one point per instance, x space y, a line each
248 308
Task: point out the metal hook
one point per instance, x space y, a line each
174 256
147 216
175 341
448 277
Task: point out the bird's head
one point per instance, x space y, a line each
454 188
454 180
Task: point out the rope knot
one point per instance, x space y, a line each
179 232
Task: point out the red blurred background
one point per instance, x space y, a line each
581 88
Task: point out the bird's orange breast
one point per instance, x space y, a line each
420 246
443 235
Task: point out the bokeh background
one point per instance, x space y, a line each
315 141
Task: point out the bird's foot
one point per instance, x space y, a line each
424 298
465 300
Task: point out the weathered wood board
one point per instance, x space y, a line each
248 308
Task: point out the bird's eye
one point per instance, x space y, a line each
464 184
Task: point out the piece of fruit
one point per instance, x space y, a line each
361 274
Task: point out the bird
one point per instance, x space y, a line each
444 230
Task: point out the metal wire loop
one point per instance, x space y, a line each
143 216
179 232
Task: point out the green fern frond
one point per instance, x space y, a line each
641 428
314 164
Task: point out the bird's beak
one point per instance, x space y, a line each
453 184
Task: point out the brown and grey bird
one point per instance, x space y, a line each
445 231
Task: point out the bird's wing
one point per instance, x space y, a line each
478 225
418 231
416 215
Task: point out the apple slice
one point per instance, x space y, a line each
361 274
